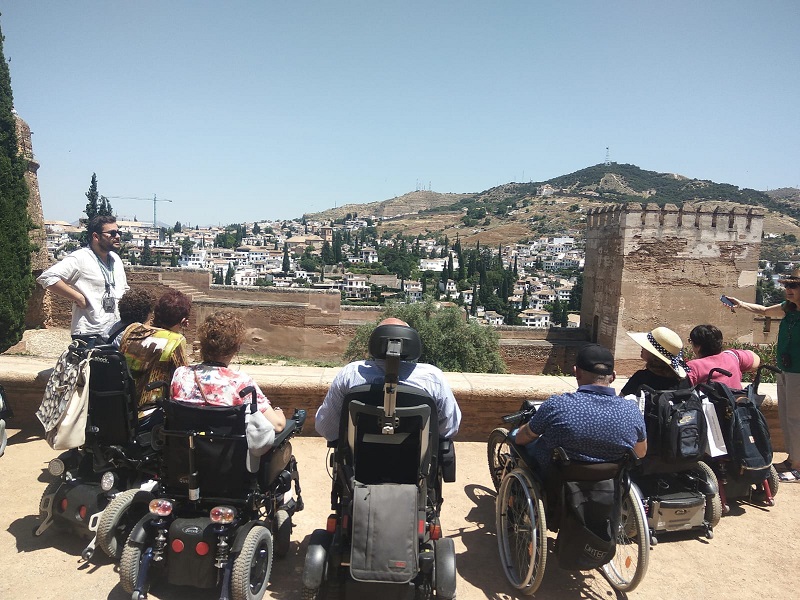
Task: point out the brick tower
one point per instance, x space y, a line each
651 266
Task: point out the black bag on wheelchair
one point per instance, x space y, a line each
745 431
587 530
677 431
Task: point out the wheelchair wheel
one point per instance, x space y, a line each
714 504
129 564
627 568
521 531
445 568
251 569
498 454
44 502
116 523
282 532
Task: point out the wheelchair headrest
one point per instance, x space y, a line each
411 345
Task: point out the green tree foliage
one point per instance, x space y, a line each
229 274
147 254
576 296
448 340
186 246
92 205
287 265
178 226
16 279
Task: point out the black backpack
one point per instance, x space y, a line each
744 430
677 431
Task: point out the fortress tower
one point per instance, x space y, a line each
39 259
652 266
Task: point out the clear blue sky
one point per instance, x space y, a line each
263 109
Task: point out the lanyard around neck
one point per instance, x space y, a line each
108 272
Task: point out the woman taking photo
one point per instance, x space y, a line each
788 355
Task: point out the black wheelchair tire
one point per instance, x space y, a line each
713 512
249 578
445 568
129 564
282 533
110 536
494 451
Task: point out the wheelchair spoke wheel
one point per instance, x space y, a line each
521 531
251 569
627 568
498 454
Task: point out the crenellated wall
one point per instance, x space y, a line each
650 265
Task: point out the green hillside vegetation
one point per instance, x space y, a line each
622 183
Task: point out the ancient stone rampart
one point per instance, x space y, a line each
650 265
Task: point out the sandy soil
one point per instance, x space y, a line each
753 554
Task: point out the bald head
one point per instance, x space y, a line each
393 321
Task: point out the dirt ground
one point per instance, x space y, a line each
753 554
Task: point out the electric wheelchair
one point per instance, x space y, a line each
116 460
212 522
384 538
593 507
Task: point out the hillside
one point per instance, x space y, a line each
515 211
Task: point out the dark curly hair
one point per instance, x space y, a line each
221 335
136 305
172 308
708 338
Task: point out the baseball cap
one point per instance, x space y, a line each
595 359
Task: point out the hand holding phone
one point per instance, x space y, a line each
727 302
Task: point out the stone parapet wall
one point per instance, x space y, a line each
483 399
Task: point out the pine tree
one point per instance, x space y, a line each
16 279
286 263
92 206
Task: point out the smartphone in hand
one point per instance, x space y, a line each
727 302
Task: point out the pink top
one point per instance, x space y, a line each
221 386
735 361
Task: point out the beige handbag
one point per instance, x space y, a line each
70 429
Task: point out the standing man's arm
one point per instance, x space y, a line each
57 278
65 290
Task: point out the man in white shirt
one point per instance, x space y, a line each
367 372
93 278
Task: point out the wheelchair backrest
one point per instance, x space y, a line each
403 456
209 441
112 407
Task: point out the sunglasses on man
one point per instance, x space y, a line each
111 233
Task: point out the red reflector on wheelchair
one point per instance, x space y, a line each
177 546
82 513
201 548
421 527
435 531
63 505
330 525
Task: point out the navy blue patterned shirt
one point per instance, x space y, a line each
592 424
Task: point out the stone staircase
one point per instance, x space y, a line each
187 289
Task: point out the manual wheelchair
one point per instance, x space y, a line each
115 462
212 523
614 535
384 538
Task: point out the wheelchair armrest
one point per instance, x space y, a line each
290 429
333 443
299 417
447 460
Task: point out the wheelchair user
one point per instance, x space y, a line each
592 424
367 372
213 382
153 352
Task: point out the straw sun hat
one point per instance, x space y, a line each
664 344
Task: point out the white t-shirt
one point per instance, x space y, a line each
82 270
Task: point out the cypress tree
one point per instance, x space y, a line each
16 279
